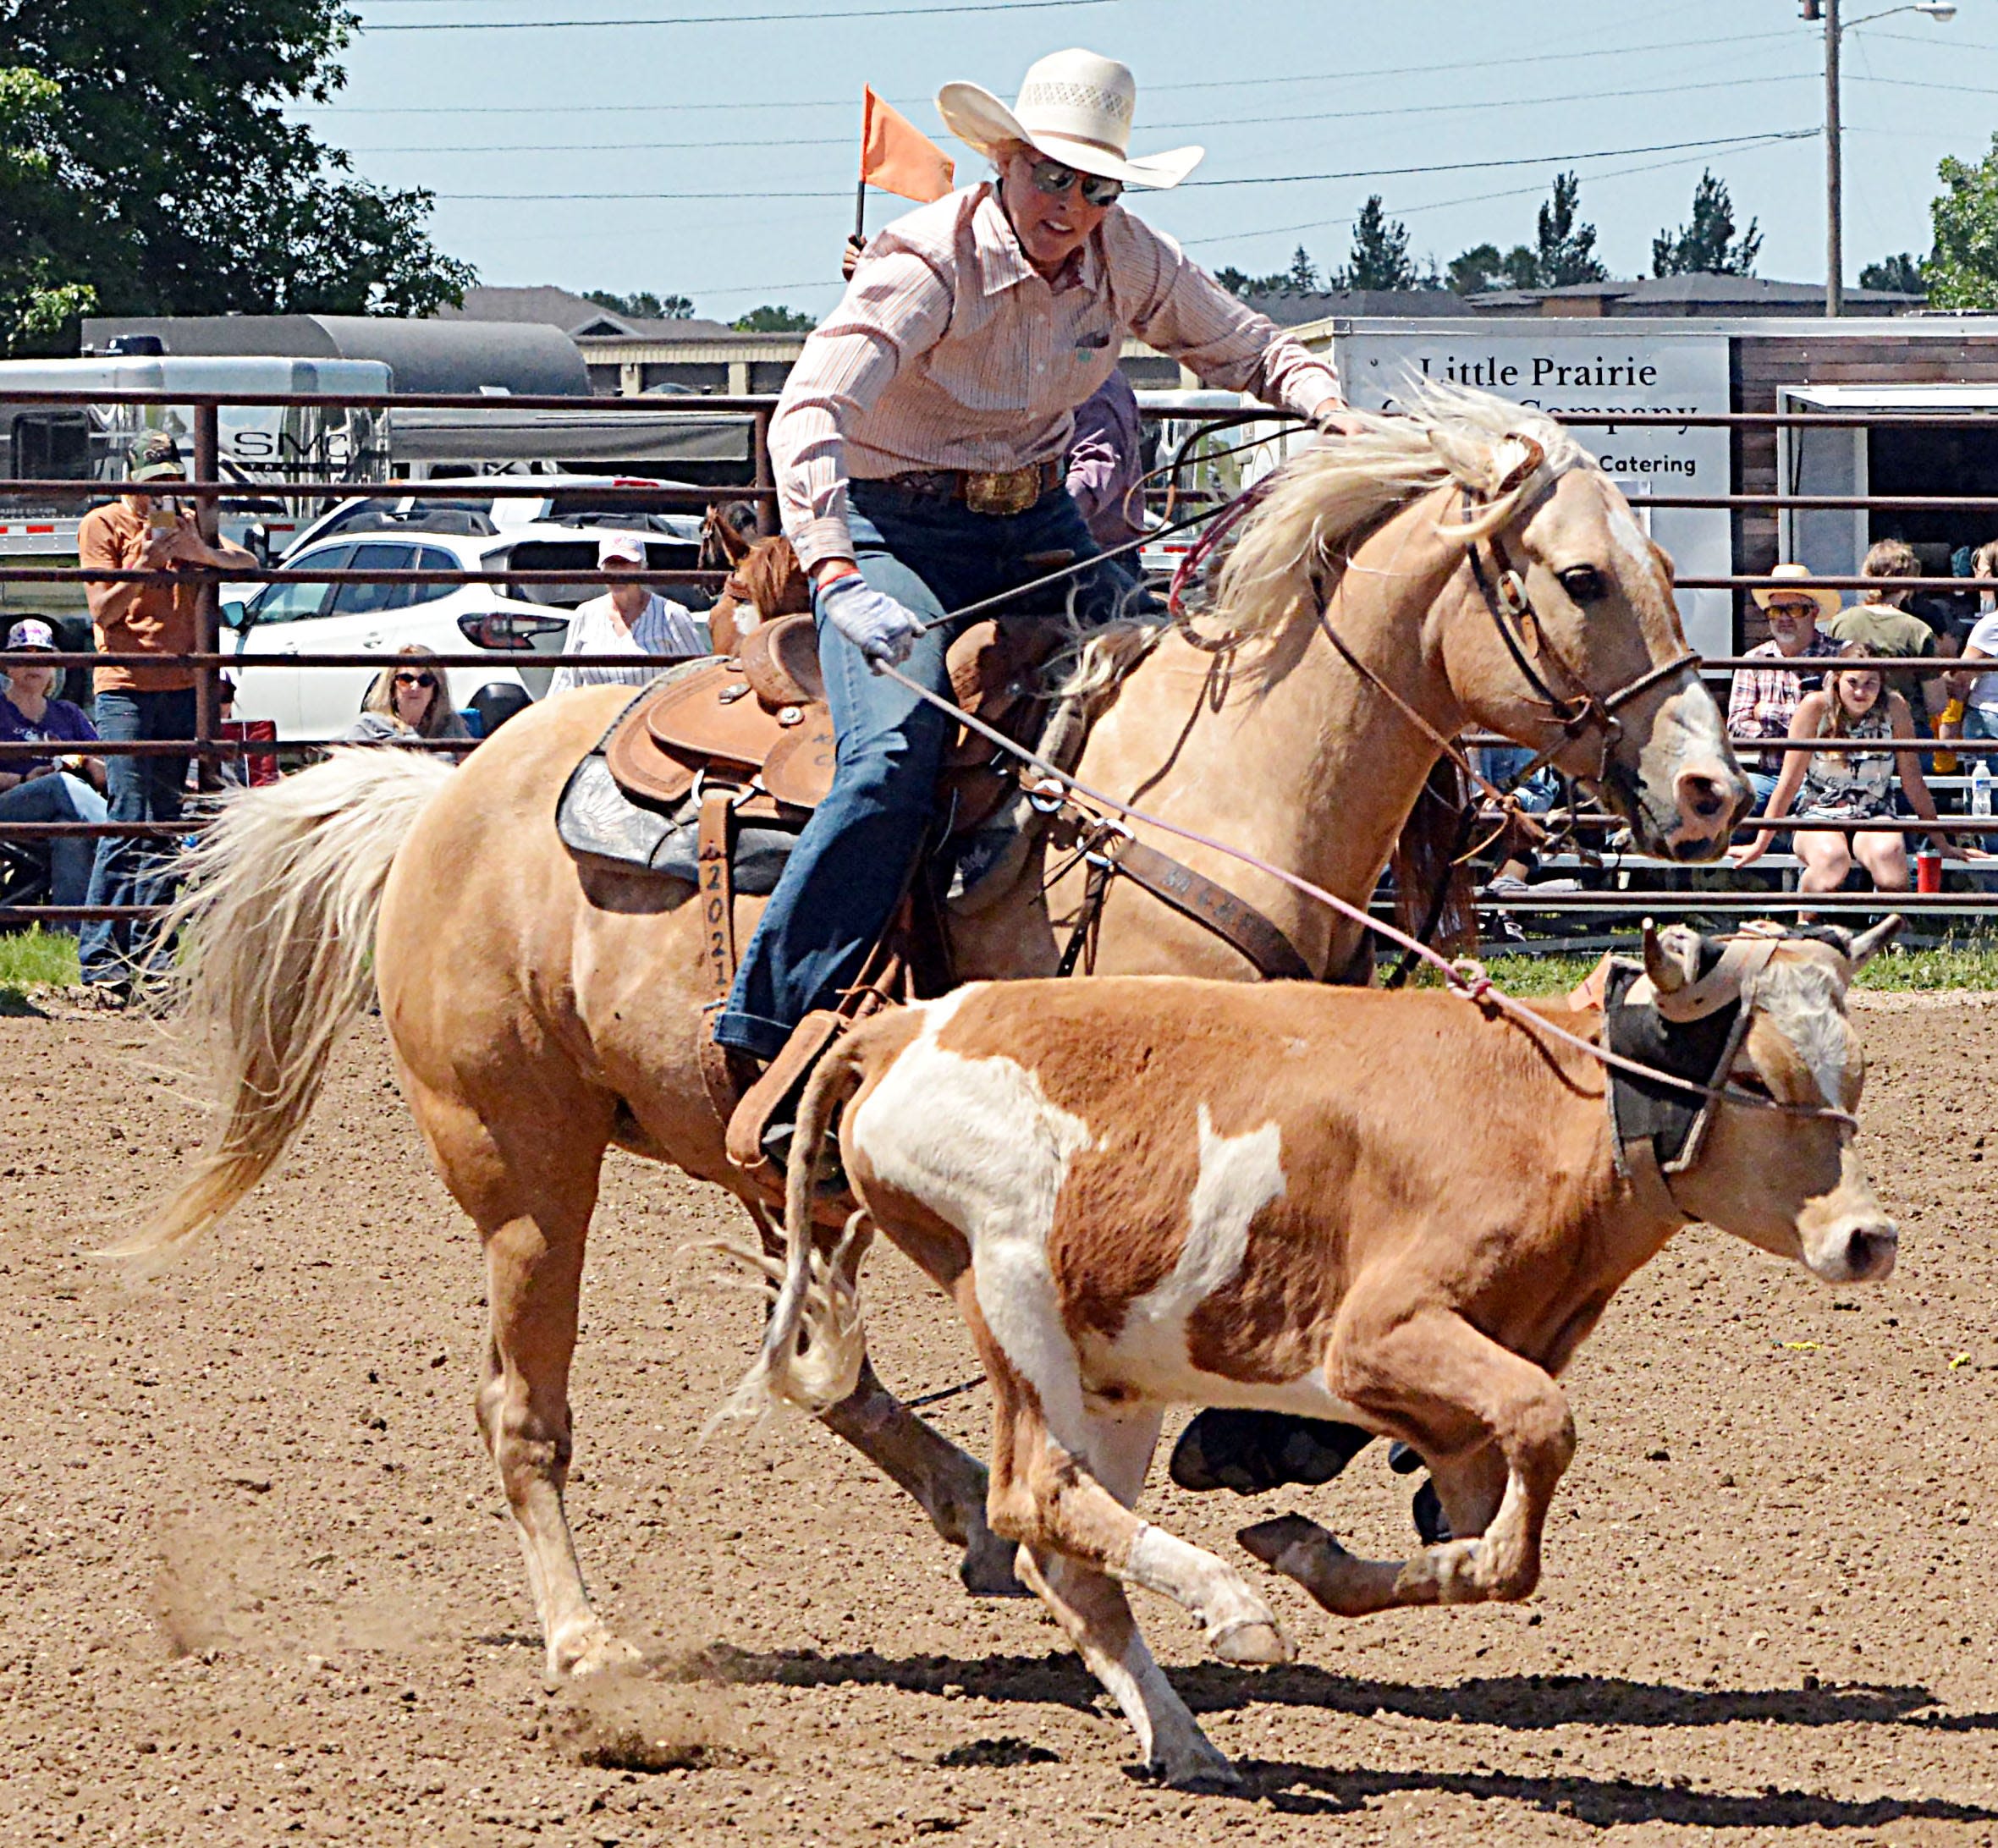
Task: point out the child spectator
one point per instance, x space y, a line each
1885 627
1847 785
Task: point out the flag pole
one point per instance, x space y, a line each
860 192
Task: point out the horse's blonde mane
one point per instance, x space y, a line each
1317 501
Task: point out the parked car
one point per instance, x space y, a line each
569 500
523 625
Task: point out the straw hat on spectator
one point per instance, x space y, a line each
1074 107
1797 583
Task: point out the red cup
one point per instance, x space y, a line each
1928 871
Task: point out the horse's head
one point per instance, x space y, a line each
766 582
1567 639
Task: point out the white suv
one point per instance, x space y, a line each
522 625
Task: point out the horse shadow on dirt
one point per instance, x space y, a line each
1316 1791
1517 1703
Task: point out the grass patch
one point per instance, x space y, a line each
1970 963
28 957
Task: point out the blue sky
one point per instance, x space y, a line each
757 110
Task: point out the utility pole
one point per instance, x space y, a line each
1835 240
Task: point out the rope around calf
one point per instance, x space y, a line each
1466 978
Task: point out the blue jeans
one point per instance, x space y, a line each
855 856
59 797
130 870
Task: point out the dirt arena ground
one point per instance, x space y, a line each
256 1582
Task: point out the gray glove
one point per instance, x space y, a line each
873 621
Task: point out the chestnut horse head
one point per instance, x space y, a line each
765 579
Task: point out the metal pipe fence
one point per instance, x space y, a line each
206 489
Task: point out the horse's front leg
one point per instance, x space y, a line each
1495 1427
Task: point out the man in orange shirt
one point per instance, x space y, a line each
137 532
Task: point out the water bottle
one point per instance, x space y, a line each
1980 788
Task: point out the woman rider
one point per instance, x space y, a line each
919 451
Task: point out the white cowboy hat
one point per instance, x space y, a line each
1797 583
1074 107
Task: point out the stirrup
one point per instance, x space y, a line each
771 1100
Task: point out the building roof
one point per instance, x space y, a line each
576 316
426 356
1700 290
1293 307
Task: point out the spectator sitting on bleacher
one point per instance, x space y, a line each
1763 700
409 700
1979 690
65 787
1847 785
1885 627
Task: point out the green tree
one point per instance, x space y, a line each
643 305
1302 274
1707 246
1241 283
1963 271
1901 273
1566 250
1379 257
1480 268
40 298
176 185
774 321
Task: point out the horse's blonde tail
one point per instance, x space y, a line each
819 1297
276 921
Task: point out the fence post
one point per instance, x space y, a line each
208 605
765 511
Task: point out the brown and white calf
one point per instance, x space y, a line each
1396 1210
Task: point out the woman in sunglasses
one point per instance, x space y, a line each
919 451
409 700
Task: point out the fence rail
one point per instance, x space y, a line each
208 488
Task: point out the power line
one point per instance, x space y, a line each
1161 128
1230 83
1476 199
1267 231
736 18
1261 179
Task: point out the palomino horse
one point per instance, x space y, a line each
540 1007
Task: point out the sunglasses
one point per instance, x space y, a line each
416 679
1798 610
1051 178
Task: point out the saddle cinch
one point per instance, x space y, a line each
757 720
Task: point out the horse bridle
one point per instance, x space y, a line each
1504 592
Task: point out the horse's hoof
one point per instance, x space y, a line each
1430 1520
596 1651
986 1570
1268 1541
1252 1452
1251 1644
1195 1770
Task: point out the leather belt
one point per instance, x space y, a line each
998 490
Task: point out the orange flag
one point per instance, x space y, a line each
898 157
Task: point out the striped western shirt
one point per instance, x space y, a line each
949 350
664 628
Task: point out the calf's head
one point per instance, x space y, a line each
1789 1182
